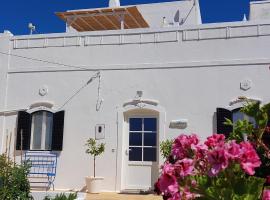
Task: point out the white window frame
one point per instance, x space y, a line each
43 132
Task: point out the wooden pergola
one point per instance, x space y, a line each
104 19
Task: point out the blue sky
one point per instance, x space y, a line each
16 14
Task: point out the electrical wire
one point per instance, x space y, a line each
127 68
80 89
99 100
40 60
193 6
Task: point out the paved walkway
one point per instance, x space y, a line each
115 196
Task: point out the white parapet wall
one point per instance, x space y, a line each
259 10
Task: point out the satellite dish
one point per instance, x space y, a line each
114 3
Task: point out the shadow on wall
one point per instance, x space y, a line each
155 173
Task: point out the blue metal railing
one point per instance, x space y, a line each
42 165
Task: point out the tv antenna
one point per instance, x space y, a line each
32 28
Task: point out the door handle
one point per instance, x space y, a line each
127 151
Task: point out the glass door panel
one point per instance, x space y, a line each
142 139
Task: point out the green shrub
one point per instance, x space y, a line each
63 196
14 184
166 148
261 115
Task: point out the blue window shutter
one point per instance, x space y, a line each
222 114
58 131
24 126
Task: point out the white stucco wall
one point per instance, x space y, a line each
4 65
175 13
189 70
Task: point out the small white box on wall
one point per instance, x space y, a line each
178 124
100 131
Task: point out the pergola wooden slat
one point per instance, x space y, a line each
104 19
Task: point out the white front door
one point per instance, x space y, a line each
142 153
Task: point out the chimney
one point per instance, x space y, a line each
114 3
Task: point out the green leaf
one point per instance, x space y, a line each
228 122
93 148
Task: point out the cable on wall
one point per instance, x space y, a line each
80 89
41 60
193 6
131 68
99 99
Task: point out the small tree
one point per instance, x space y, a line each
166 148
95 150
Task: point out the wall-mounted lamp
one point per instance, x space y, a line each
178 124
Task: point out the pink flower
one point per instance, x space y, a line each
187 195
215 140
266 195
167 185
194 183
168 169
218 160
175 196
202 166
184 167
249 159
233 150
182 145
200 150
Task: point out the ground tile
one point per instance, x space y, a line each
115 196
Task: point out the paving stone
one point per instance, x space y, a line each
116 196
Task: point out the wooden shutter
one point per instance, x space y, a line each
24 125
58 131
223 113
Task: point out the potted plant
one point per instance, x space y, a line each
93 183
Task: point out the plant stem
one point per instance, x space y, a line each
266 149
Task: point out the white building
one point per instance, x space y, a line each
142 73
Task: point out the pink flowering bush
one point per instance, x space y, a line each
216 169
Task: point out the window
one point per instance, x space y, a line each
222 114
238 115
142 139
41 130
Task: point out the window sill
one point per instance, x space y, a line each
141 163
